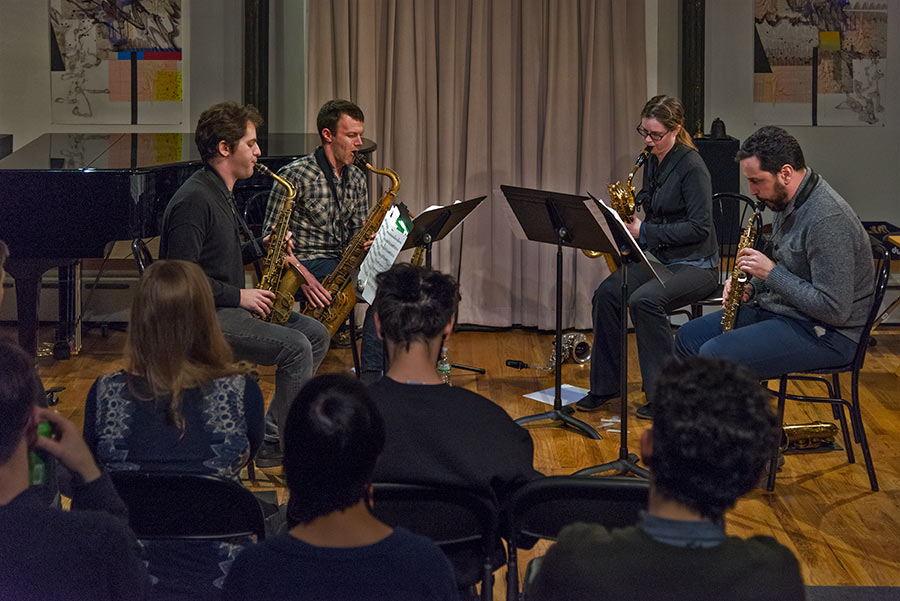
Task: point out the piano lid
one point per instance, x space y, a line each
140 151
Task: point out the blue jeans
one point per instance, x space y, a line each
296 348
766 343
371 354
648 302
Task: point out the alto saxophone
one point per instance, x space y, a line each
739 279
281 279
340 283
622 197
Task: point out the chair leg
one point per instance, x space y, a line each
856 417
773 463
837 409
251 470
512 572
354 351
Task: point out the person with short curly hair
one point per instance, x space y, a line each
438 434
712 434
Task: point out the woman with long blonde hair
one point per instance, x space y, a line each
179 404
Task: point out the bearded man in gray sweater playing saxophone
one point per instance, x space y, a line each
811 290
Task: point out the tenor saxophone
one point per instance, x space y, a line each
340 283
622 197
282 279
739 279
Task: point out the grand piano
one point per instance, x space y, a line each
65 197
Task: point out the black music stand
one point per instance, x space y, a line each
563 220
432 226
628 252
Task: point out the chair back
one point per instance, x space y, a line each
142 256
164 505
543 507
459 521
882 257
731 211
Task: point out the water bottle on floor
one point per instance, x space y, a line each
443 366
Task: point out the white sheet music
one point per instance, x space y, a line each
388 241
598 209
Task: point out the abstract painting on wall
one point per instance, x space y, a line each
116 61
819 62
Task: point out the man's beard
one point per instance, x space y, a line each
779 199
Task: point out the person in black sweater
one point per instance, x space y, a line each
45 553
201 224
712 436
336 549
677 228
438 434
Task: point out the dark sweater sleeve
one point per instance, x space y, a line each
185 236
254 414
99 495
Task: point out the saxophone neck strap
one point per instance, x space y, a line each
803 193
328 169
658 173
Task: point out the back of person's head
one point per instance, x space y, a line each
223 121
331 112
713 431
414 303
20 389
174 339
669 111
332 439
774 147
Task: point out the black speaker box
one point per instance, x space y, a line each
718 154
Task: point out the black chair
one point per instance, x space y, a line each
543 507
142 256
172 506
462 523
834 397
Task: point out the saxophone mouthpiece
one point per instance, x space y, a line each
263 169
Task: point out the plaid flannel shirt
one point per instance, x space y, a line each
320 227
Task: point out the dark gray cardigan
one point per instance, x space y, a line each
823 263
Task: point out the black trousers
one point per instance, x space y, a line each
648 302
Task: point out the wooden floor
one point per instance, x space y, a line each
822 507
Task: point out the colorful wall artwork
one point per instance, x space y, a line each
116 61
819 62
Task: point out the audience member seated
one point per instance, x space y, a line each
45 553
48 492
179 406
712 434
336 548
438 434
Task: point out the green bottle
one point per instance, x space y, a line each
37 469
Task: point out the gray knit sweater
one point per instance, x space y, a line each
823 263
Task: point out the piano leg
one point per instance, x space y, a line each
68 339
28 274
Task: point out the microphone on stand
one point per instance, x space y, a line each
516 364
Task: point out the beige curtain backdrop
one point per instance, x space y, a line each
462 96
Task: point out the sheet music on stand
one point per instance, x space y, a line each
623 238
389 239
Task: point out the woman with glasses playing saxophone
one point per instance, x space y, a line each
677 229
